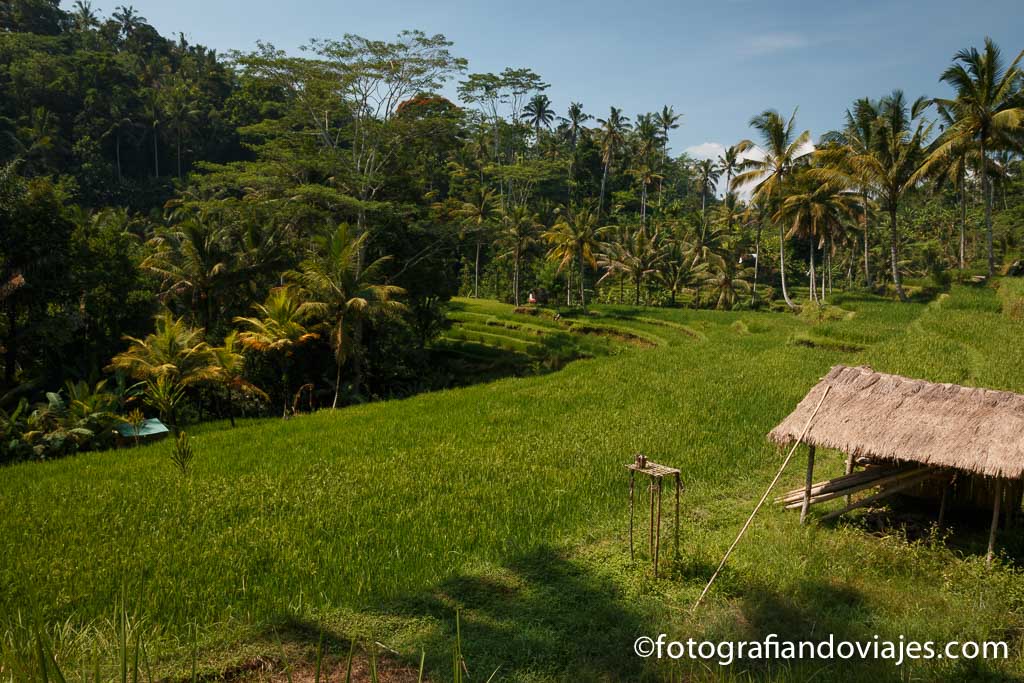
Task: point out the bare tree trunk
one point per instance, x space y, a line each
604 178
476 271
156 155
583 291
757 260
963 213
814 296
337 381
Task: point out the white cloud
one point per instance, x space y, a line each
706 150
767 43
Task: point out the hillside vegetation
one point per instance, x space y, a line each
507 500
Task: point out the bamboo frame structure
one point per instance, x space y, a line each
655 489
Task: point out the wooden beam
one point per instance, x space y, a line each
995 521
905 484
837 484
810 481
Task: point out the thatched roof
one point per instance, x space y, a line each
893 417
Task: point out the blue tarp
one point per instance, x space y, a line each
150 427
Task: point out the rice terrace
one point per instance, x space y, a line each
357 363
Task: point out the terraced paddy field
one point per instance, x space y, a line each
506 501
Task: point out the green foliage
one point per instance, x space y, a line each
183 455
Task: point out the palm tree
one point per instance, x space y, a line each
519 228
707 180
890 168
637 255
574 127
478 214
814 209
173 350
987 109
678 270
612 136
730 163
229 364
575 237
668 120
539 114
278 329
858 137
783 153
726 278
345 294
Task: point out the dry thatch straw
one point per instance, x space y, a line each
892 417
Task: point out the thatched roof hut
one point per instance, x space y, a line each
896 418
925 431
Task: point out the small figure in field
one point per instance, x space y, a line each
531 299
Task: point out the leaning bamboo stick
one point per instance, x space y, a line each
767 493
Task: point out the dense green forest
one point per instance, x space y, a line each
189 235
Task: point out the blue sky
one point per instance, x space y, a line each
718 62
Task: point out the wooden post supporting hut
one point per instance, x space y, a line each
657 474
962 445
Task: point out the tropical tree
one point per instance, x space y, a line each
814 209
574 127
539 114
857 137
174 350
518 231
229 364
345 294
678 269
730 163
575 237
277 330
637 255
708 175
725 279
477 215
668 120
784 151
988 109
611 136
890 168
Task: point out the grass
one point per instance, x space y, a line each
507 500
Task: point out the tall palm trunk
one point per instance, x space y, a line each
583 291
963 214
476 271
515 277
604 179
117 145
894 246
782 266
757 259
156 155
988 212
814 295
867 247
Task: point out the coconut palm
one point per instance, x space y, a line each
277 330
987 109
612 136
575 237
518 231
668 120
857 137
678 271
345 294
173 350
229 364
539 114
574 127
708 175
725 278
784 152
890 168
813 209
730 163
638 255
477 215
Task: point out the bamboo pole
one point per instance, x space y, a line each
840 483
944 503
807 487
849 471
632 477
650 531
885 493
657 536
879 481
767 492
678 484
